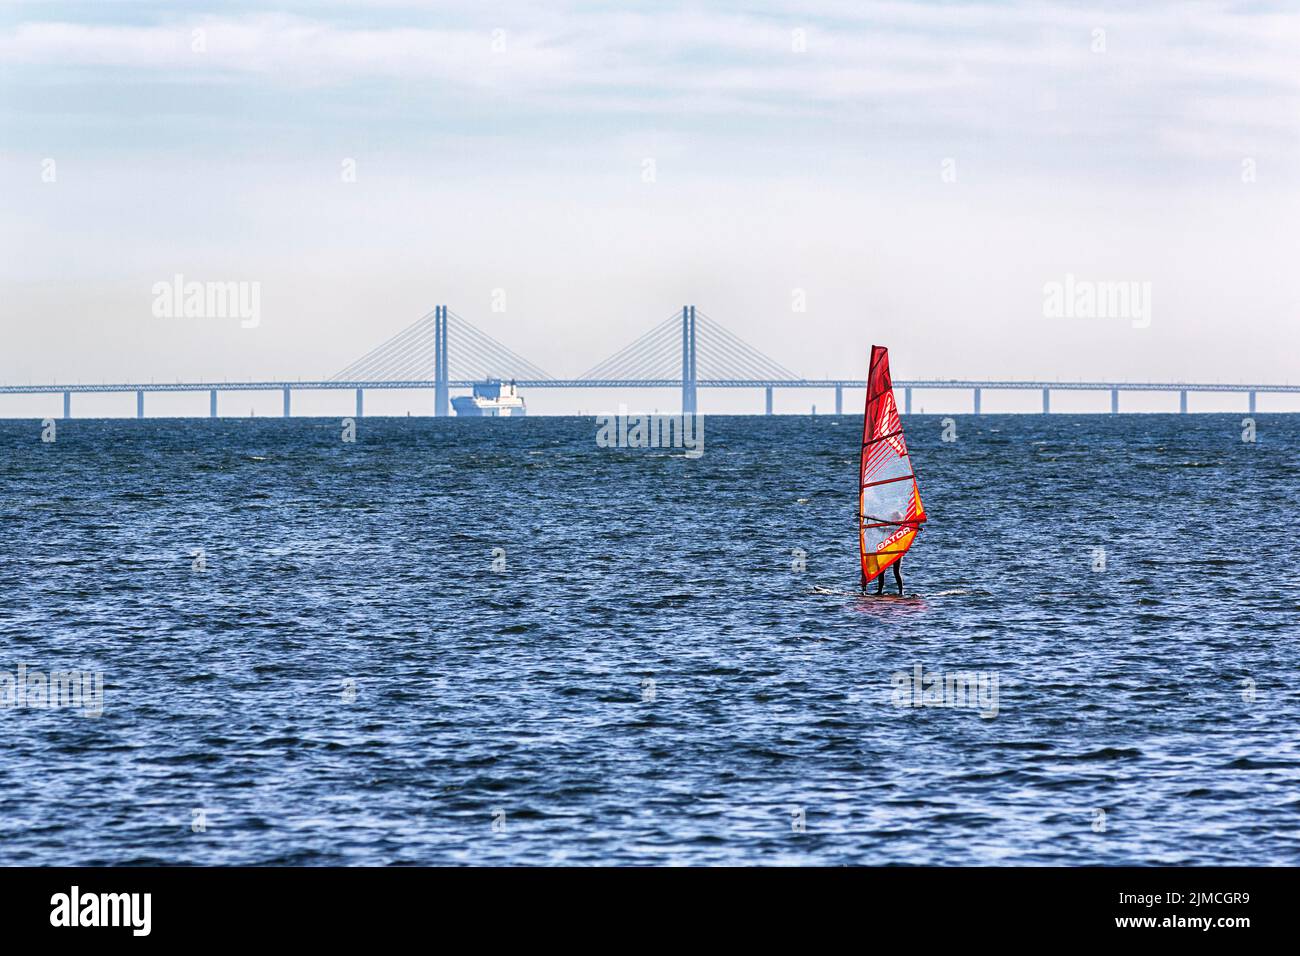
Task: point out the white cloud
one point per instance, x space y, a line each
289 49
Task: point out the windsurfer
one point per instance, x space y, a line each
889 501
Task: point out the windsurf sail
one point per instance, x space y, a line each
889 501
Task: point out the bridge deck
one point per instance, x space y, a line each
268 386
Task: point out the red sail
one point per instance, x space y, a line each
889 502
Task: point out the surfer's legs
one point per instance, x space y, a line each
880 584
898 575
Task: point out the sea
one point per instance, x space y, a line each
496 642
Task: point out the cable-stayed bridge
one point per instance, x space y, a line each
688 350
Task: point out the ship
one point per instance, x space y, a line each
491 399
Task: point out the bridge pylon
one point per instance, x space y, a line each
689 405
441 405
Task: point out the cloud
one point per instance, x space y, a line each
280 48
1170 74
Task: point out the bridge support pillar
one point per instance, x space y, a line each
1114 401
441 404
689 397
1252 403
361 401
767 395
977 401
1182 402
287 402
839 400
67 404
139 403
907 401
1047 401
212 403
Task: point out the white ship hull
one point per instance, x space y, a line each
467 407
490 400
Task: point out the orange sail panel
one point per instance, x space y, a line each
889 502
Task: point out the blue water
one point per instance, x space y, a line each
651 679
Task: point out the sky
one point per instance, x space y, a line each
816 176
